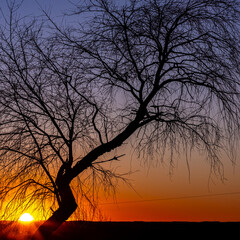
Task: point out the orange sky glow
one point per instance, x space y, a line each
157 196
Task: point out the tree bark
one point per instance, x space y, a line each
66 208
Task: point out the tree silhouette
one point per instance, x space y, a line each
164 73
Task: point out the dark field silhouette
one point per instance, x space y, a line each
124 230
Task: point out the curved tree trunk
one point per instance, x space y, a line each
66 208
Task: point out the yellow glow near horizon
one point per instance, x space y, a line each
26 217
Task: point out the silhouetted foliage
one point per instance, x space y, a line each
165 73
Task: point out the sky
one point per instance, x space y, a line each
180 196
186 194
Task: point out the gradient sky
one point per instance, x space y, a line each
159 195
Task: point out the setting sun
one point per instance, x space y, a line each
26 217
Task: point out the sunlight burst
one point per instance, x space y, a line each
26 217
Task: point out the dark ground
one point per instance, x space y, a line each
127 230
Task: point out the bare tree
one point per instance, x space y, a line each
162 72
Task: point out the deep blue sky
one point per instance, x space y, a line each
33 7
55 7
